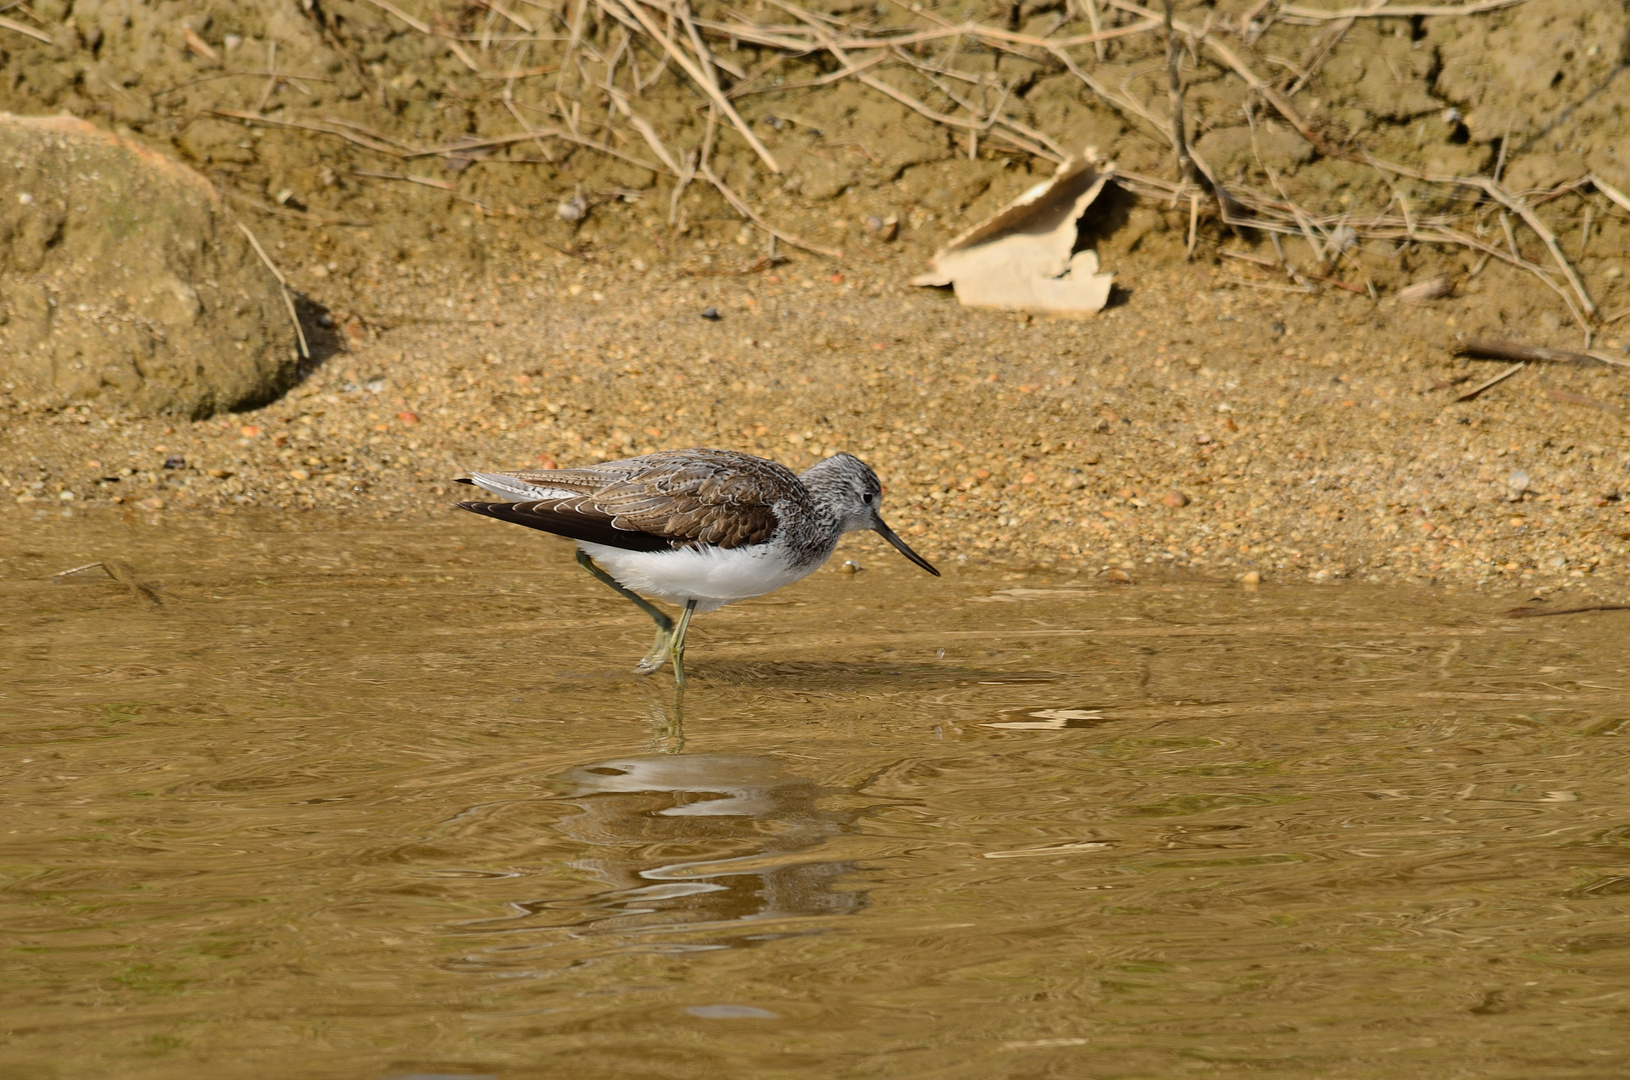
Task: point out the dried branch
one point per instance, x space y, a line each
1499 349
417 24
23 28
283 284
1174 77
1403 12
1497 380
1521 209
1273 97
370 141
710 86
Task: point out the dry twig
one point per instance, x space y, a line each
23 28
747 212
1498 379
283 283
1406 11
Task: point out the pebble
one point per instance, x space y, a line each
573 210
1052 467
1431 289
884 228
1175 499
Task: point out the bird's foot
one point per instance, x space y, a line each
658 655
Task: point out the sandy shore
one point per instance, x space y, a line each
1199 427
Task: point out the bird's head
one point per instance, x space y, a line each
851 491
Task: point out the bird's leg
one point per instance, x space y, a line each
665 626
676 644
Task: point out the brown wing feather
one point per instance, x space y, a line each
700 496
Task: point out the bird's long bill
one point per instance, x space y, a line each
900 545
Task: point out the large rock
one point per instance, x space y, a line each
124 278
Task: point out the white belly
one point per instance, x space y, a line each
712 577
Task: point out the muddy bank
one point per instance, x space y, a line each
450 134
1258 408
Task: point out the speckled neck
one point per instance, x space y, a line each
836 490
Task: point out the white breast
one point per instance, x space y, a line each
711 576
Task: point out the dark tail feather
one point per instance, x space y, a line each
546 516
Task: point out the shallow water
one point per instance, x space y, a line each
297 797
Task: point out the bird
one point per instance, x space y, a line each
697 527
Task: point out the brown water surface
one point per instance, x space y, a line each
300 797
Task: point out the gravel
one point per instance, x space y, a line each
1195 428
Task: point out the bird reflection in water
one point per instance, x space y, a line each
692 841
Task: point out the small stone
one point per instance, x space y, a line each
1422 291
151 504
249 431
299 474
1175 499
66 496
408 418
1515 485
1202 439
711 314
849 567
573 210
175 461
